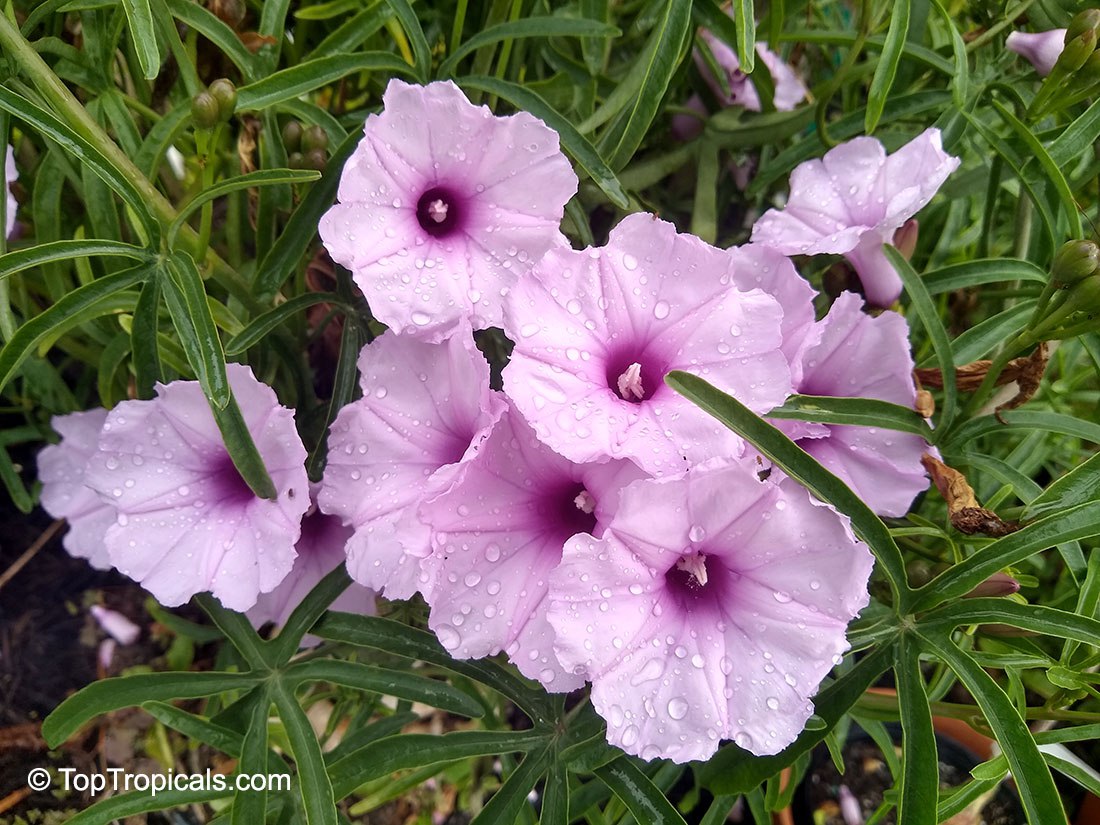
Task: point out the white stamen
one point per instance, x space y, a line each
585 502
630 383
695 566
437 210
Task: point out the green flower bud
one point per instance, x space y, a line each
1083 21
315 159
1074 262
314 138
1076 52
292 136
204 110
225 93
296 160
1084 296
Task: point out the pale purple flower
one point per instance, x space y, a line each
789 88
320 550
115 625
854 355
1042 49
597 330
187 522
852 200
499 532
711 609
443 205
64 494
425 411
11 174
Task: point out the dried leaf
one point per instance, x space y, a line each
966 514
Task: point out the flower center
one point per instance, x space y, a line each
439 212
698 582
695 566
634 373
227 485
571 508
585 502
630 383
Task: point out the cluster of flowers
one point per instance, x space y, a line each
587 521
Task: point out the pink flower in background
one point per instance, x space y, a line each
716 619
64 494
596 331
11 174
320 550
1042 49
856 356
187 522
789 88
499 532
852 200
442 206
426 409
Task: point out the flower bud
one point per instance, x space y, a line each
231 12
999 584
1084 296
1076 52
292 136
1075 261
225 93
296 160
1083 21
905 238
315 159
314 138
204 110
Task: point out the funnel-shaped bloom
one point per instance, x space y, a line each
499 532
596 331
426 409
442 206
187 522
1042 49
11 174
320 551
789 88
852 200
857 356
64 494
711 609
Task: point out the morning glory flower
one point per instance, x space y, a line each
854 355
711 609
443 205
1042 49
187 522
852 201
596 331
64 493
11 174
499 532
789 88
425 411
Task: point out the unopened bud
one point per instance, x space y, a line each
231 12
292 136
204 110
1075 261
1084 296
296 160
1083 21
225 93
1076 52
315 159
314 138
905 238
999 584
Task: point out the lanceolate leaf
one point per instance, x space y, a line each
144 36
859 412
920 778
637 791
888 63
1080 485
46 253
528 27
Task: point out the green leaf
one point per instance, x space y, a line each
527 27
797 464
83 151
242 449
414 750
261 177
240 633
920 778
43 254
1077 138
744 17
922 302
636 790
1038 794
401 640
704 216
197 728
1030 420
271 320
555 797
143 339
983 338
422 53
887 68
385 682
343 390
981 272
13 483
734 771
1077 523
960 80
288 84
572 141
313 780
308 611
1039 619
144 36
506 804
859 412
128 691
124 807
249 806
734 128
185 294
655 67
196 16
59 317
1078 486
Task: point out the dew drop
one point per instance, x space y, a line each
677 707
